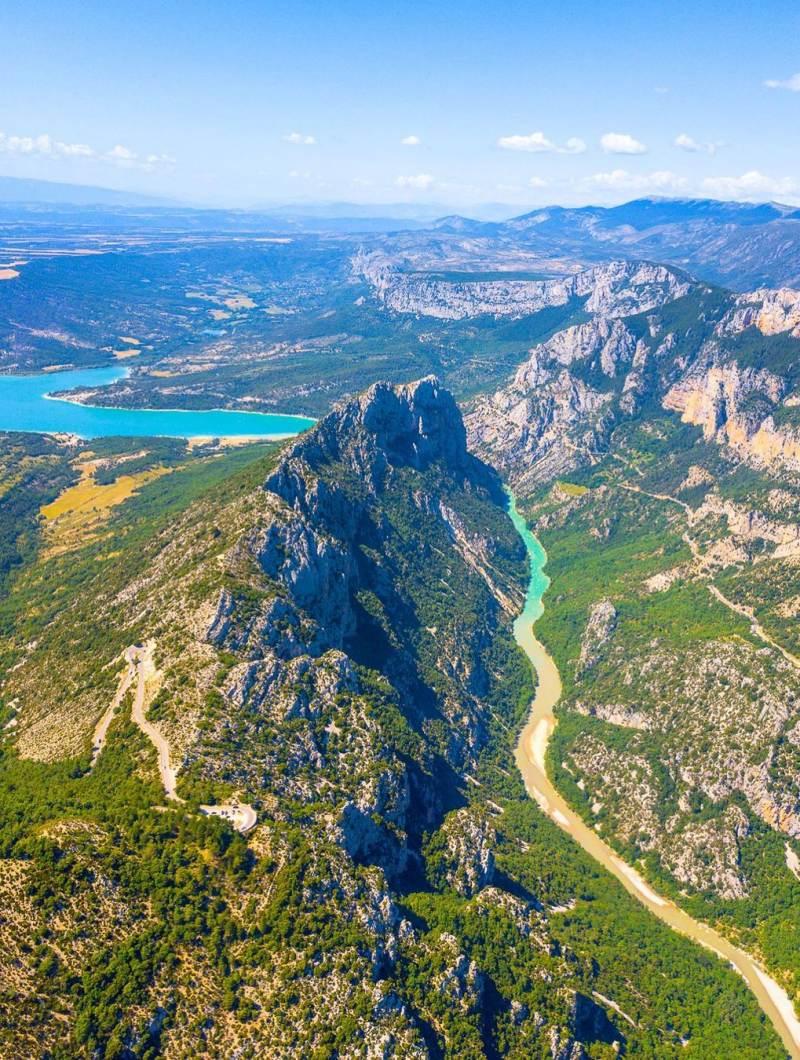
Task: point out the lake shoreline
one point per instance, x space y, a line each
35 404
62 396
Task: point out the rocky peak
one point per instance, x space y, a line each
624 287
407 425
407 441
414 424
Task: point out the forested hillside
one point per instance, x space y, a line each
323 635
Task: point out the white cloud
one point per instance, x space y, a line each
621 144
125 158
621 179
751 185
151 162
537 142
75 150
573 146
300 138
411 141
420 181
791 84
537 182
688 143
121 154
44 146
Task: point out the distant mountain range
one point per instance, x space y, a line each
639 214
740 245
23 190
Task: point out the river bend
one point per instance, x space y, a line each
530 757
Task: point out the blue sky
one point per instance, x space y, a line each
252 102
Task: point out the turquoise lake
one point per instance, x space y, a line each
25 406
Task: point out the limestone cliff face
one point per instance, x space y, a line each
562 404
771 311
615 289
750 525
725 363
734 406
316 548
385 427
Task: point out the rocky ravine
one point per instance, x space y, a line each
331 641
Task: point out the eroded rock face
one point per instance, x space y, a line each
734 406
538 430
461 981
328 585
707 857
387 426
562 404
560 408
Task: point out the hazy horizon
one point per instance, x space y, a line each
285 103
420 211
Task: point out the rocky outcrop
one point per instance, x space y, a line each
387 426
729 402
465 852
599 630
772 312
549 418
706 856
562 404
737 406
751 525
462 982
328 583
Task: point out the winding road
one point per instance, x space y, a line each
740 609
143 660
531 757
241 816
101 729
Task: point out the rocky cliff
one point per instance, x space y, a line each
318 640
616 289
742 408
725 363
323 636
672 614
377 488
